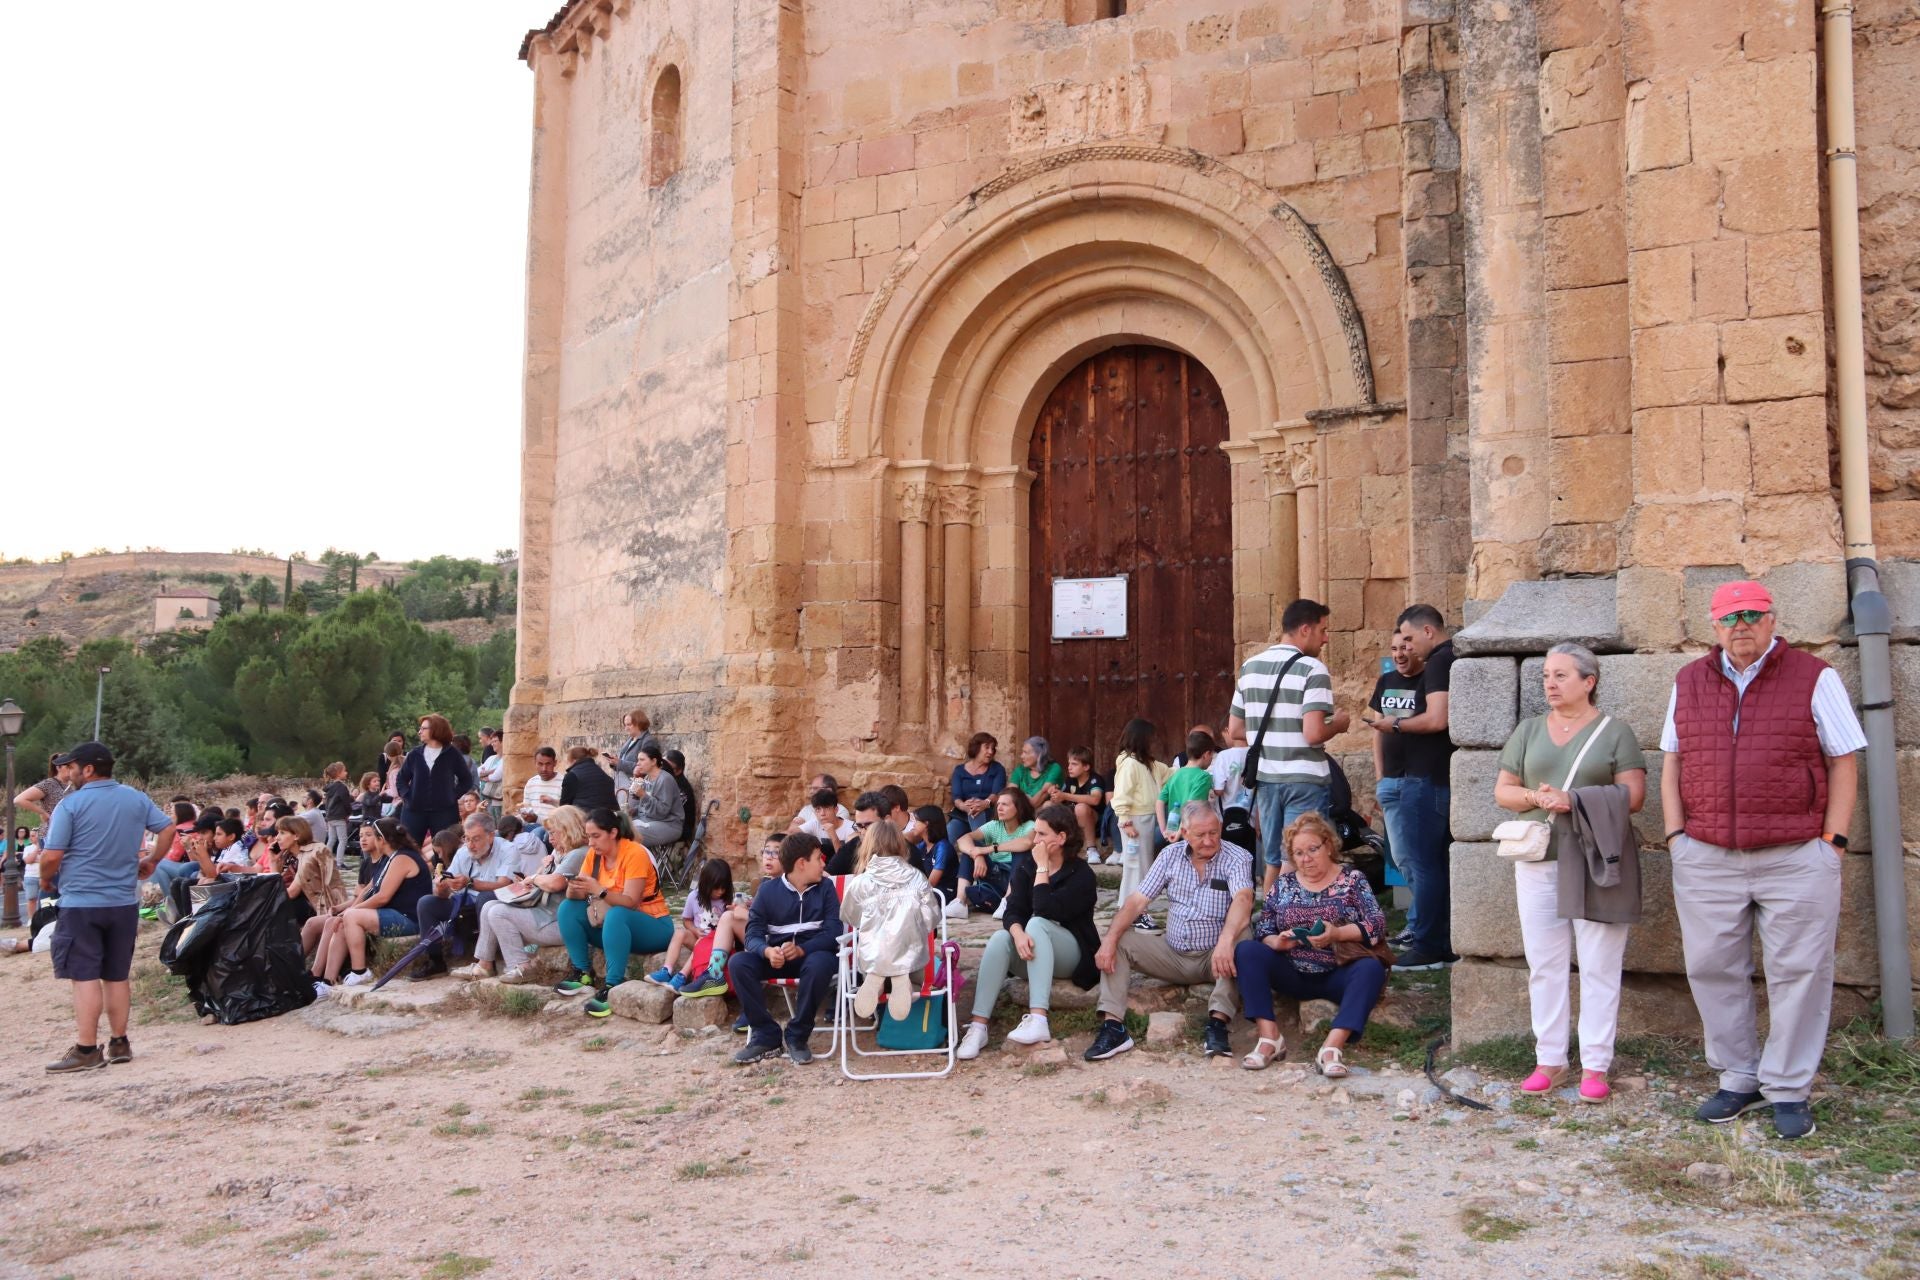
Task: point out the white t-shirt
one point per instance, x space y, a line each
1226 769
541 795
432 753
810 823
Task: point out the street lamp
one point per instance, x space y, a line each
14 867
99 695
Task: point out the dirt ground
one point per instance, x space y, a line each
354 1140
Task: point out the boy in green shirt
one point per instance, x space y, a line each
1192 781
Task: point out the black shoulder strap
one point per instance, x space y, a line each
1250 767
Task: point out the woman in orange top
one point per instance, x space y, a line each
614 904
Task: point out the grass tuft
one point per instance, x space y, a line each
456 1266
1490 1228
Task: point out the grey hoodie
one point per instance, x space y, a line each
1599 857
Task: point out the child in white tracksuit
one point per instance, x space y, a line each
894 908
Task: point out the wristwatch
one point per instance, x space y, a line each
602 895
1835 839
1677 831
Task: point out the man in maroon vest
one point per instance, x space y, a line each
1757 790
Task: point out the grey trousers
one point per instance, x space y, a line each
506 933
1792 892
1150 953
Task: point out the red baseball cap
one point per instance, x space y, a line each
1731 597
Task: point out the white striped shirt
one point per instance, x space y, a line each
1285 753
1833 718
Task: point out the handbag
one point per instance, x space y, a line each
1527 840
1348 952
596 907
925 1026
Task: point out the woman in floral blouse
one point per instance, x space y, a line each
1311 908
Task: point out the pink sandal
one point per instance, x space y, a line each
1594 1088
1543 1080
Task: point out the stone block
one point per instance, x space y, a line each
1783 274
1580 86
1648 604
1676 364
1633 689
1587 324
1483 701
1784 529
1666 451
1779 358
709 1011
1530 616
1580 548
1766 194
1474 815
1788 442
1064 995
1669 534
1900 583
1589 398
1753 108
643 1002
1720 280
1591 478
1657 127
1486 920
1660 286
1583 168
1587 249
1673 206
1489 1000
1166 1028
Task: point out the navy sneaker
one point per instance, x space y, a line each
755 1050
1417 961
799 1053
1111 1041
1217 1041
1793 1120
1727 1105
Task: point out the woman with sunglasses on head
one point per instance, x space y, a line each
1317 938
1545 761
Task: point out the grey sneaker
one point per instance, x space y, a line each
799 1053
754 1050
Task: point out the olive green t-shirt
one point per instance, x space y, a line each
1531 756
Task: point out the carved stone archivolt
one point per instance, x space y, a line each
1238 190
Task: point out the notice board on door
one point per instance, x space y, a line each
1090 608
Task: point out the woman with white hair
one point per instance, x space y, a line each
1037 769
1547 759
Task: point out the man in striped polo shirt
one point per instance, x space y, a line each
1283 705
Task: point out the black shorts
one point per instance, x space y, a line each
94 944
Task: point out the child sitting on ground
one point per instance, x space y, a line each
943 864
707 905
892 906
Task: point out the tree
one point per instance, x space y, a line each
297 601
232 599
288 589
263 593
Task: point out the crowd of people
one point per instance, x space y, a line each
1754 842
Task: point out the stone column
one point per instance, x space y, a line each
1303 461
916 499
1283 532
540 405
959 512
1505 288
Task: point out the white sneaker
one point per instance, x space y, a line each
957 909
512 976
359 979
321 990
973 1042
1000 912
1033 1029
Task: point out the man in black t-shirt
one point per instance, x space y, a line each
1425 791
1396 695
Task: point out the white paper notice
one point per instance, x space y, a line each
1089 608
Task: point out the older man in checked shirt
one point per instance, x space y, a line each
1209 886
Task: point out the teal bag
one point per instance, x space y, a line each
925 1026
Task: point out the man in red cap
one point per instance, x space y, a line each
1757 790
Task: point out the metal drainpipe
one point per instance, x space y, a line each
1872 618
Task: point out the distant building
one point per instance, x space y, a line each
173 610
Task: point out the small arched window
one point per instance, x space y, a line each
664 157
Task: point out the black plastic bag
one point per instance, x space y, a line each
240 953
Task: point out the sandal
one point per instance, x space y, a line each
1260 1061
1543 1080
1329 1062
472 971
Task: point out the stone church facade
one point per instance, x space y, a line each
852 326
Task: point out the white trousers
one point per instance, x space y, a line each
1551 943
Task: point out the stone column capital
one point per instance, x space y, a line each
916 501
959 504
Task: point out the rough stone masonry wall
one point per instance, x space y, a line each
623 512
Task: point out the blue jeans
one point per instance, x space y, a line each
1387 791
167 873
1354 987
1424 808
958 824
1275 805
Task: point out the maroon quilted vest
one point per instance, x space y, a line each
1766 784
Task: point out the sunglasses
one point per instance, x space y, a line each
1748 616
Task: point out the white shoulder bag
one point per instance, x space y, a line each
1524 840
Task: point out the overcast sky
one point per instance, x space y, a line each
265 279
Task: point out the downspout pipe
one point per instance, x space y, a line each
1872 617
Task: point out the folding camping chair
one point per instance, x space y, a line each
937 982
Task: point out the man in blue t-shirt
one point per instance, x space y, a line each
93 843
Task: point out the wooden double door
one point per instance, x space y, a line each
1130 479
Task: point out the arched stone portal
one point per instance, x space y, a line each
1057 260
